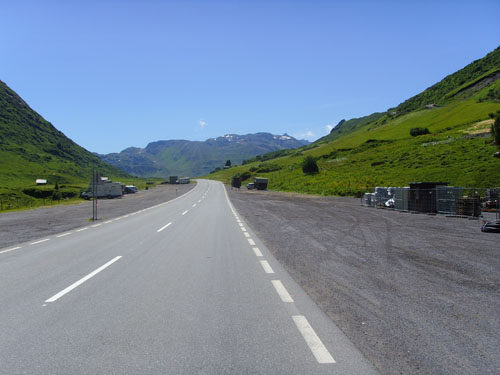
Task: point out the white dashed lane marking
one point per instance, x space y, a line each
163 227
257 252
12 249
64 234
37 242
185 212
282 292
55 297
266 266
319 350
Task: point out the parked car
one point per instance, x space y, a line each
250 186
130 189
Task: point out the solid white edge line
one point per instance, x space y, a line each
107 222
317 347
36 242
282 292
55 297
266 266
163 227
257 252
64 234
251 242
12 249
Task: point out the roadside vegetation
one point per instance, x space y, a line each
28 195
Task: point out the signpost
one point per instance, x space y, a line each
95 176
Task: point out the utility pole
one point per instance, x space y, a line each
94 194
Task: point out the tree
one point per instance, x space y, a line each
309 165
495 130
228 163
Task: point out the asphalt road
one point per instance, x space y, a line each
184 287
28 225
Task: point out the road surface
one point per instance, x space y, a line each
183 287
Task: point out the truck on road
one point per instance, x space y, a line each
260 183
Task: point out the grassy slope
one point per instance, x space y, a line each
378 150
31 148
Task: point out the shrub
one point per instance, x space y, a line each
419 131
38 193
245 176
495 130
309 165
56 195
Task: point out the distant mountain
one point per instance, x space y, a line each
31 148
195 158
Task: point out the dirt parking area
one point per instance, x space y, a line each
22 226
417 294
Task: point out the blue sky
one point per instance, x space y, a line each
114 74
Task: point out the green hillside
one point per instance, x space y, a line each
31 148
378 150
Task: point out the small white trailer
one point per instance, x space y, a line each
104 190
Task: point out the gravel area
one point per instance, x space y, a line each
23 226
417 294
